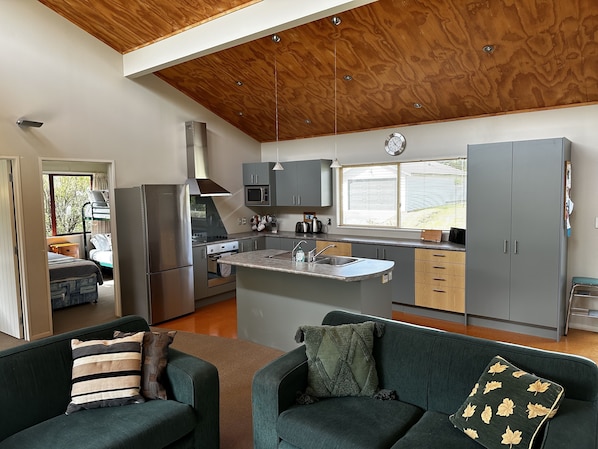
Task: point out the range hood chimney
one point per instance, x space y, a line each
197 162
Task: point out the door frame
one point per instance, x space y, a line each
17 217
110 173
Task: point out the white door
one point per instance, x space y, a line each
10 297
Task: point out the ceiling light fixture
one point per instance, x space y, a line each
278 166
335 162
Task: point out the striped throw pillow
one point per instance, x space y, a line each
106 373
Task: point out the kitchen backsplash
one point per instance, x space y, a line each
205 218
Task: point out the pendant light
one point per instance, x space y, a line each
278 166
335 163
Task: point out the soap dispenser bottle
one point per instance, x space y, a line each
300 255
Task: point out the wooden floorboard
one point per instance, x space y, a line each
220 319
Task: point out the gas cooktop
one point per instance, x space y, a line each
203 237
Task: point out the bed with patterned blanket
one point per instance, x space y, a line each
72 281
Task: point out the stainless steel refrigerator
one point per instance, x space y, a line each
153 227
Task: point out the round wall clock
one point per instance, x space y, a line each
395 144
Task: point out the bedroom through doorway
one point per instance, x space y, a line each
78 226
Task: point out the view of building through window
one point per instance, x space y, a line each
408 195
64 196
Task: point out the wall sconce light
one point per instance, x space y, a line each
23 123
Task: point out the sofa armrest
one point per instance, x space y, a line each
576 423
193 381
274 390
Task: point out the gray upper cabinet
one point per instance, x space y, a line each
304 183
258 173
516 233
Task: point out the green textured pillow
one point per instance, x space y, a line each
340 360
106 373
154 361
507 406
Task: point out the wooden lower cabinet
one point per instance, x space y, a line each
339 249
440 279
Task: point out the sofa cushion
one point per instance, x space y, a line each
154 360
507 406
340 360
434 431
106 373
347 423
153 424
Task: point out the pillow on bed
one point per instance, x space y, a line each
102 242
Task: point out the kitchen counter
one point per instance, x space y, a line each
276 296
359 270
413 243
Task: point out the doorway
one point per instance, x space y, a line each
11 311
100 174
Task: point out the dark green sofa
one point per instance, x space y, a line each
432 373
36 386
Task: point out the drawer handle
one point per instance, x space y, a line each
439 291
439 279
440 268
439 255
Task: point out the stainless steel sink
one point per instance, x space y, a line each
321 260
335 260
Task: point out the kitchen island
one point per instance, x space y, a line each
276 295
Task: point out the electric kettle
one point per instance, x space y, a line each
316 225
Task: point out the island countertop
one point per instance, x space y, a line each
359 270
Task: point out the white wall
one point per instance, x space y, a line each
450 139
55 73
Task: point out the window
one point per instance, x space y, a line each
409 195
64 196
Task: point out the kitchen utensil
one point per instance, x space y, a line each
302 227
316 226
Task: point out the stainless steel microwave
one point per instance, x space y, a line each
257 196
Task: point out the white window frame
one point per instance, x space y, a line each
458 196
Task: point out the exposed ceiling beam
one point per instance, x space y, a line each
244 25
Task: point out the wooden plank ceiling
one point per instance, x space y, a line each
397 53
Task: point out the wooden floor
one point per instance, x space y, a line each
220 319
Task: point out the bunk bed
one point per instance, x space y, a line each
100 249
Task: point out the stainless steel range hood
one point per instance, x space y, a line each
197 162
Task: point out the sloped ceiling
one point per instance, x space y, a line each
408 61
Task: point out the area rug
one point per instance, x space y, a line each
237 361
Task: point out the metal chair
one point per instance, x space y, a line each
585 288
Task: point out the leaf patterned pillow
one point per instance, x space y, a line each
507 407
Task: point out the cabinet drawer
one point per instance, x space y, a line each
440 255
440 280
439 268
450 299
340 248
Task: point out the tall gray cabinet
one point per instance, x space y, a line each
516 235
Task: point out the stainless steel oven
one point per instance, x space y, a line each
219 274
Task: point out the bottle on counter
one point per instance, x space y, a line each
300 255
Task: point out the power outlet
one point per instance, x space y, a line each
244 220
239 221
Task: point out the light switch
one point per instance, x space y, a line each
596 225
